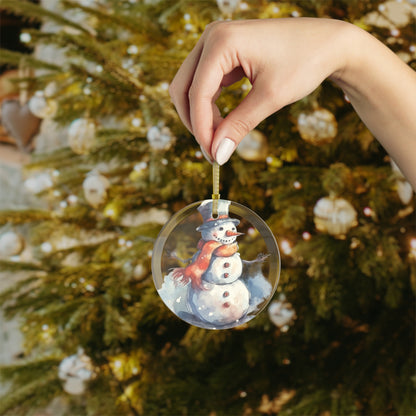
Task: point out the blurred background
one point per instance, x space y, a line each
94 161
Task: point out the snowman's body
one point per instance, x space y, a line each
223 297
220 304
224 270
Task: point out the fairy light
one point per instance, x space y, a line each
133 50
136 122
140 166
368 212
413 247
46 247
297 185
25 37
395 32
72 199
286 247
306 235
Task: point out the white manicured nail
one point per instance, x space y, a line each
225 150
206 155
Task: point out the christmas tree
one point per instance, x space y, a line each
338 337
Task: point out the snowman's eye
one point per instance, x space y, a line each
221 228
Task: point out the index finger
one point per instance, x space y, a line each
179 87
203 92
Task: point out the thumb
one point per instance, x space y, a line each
244 118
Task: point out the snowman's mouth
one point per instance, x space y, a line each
226 240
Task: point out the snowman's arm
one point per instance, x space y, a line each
173 255
260 258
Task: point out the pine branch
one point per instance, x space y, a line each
101 53
36 383
24 216
36 12
16 59
14 266
136 23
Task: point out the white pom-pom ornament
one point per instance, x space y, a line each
228 7
95 188
281 313
160 137
253 147
38 183
41 106
11 244
318 127
75 371
404 189
334 216
81 135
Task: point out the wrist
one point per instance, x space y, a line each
349 54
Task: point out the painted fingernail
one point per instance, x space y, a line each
206 155
225 150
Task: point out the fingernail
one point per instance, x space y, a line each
225 150
206 155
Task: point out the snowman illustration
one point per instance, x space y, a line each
216 288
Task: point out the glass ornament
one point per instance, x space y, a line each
208 278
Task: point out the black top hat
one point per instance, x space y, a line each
209 220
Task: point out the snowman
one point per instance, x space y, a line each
216 294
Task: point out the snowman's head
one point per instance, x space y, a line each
225 232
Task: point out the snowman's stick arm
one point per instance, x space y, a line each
173 255
260 258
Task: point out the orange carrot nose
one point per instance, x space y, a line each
230 233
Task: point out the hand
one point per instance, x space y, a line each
284 59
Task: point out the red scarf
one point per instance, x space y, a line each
194 271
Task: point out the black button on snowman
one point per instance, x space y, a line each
215 288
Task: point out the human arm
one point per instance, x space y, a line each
285 60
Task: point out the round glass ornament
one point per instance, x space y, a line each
216 264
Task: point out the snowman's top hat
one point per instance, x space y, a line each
209 220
